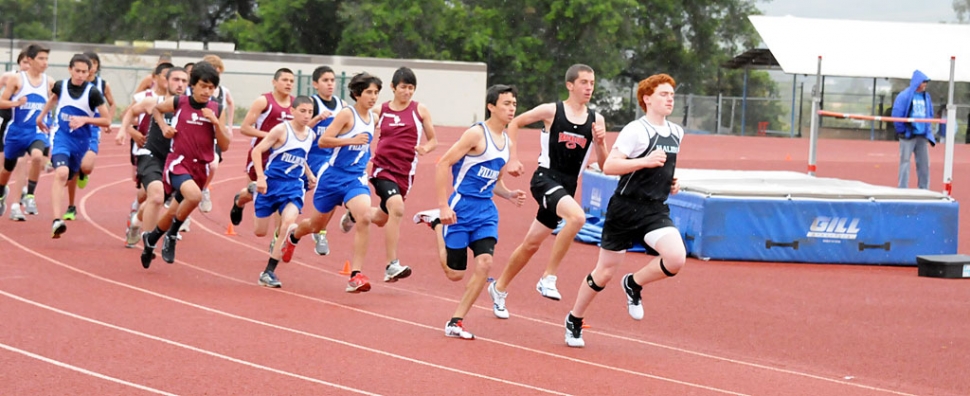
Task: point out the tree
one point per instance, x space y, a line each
962 8
295 26
31 19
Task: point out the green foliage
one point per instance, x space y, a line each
528 43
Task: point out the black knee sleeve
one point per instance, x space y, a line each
592 284
9 164
483 246
665 270
457 259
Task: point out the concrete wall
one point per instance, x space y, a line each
453 91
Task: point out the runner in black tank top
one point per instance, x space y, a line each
644 156
571 132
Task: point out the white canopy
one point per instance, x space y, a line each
866 48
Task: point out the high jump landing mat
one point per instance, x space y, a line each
783 216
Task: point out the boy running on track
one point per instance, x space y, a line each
571 131
266 112
644 156
280 188
468 218
196 123
221 96
152 148
26 95
401 124
342 179
16 212
81 110
325 107
87 163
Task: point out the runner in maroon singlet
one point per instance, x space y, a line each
402 123
198 121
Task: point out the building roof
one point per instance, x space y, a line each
760 58
866 48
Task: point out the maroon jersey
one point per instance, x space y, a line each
401 132
193 141
273 115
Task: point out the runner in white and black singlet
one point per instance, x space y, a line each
571 131
644 156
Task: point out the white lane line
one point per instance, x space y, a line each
82 370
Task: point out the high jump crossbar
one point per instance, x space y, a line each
826 113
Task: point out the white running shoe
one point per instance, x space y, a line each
347 222
547 287
206 205
634 304
395 271
185 225
134 231
30 205
16 214
427 216
498 301
322 245
457 330
574 334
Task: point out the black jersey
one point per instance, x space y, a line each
156 142
565 147
648 184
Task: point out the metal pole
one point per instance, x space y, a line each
872 125
813 134
794 84
54 32
951 133
744 100
717 107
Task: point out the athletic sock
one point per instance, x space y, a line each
271 265
176 224
574 320
633 284
435 223
3 190
353 274
154 235
454 321
31 186
293 239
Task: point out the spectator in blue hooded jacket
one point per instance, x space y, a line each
914 102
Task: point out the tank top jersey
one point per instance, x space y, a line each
352 160
195 132
155 142
144 119
272 116
651 184
565 147
400 133
219 97
319 105
475 175
25 117
287 162
68 107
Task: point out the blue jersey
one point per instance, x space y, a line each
287 162
352 160
475 175
318 156
25 116
68 107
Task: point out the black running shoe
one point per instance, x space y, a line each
168 248
235 214
148 253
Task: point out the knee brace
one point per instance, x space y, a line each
457 259
665 270
592 284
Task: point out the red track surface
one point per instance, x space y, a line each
80 315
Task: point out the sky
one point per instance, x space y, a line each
928 11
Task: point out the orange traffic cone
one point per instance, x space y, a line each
230 230
787 157
346 270
586 326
